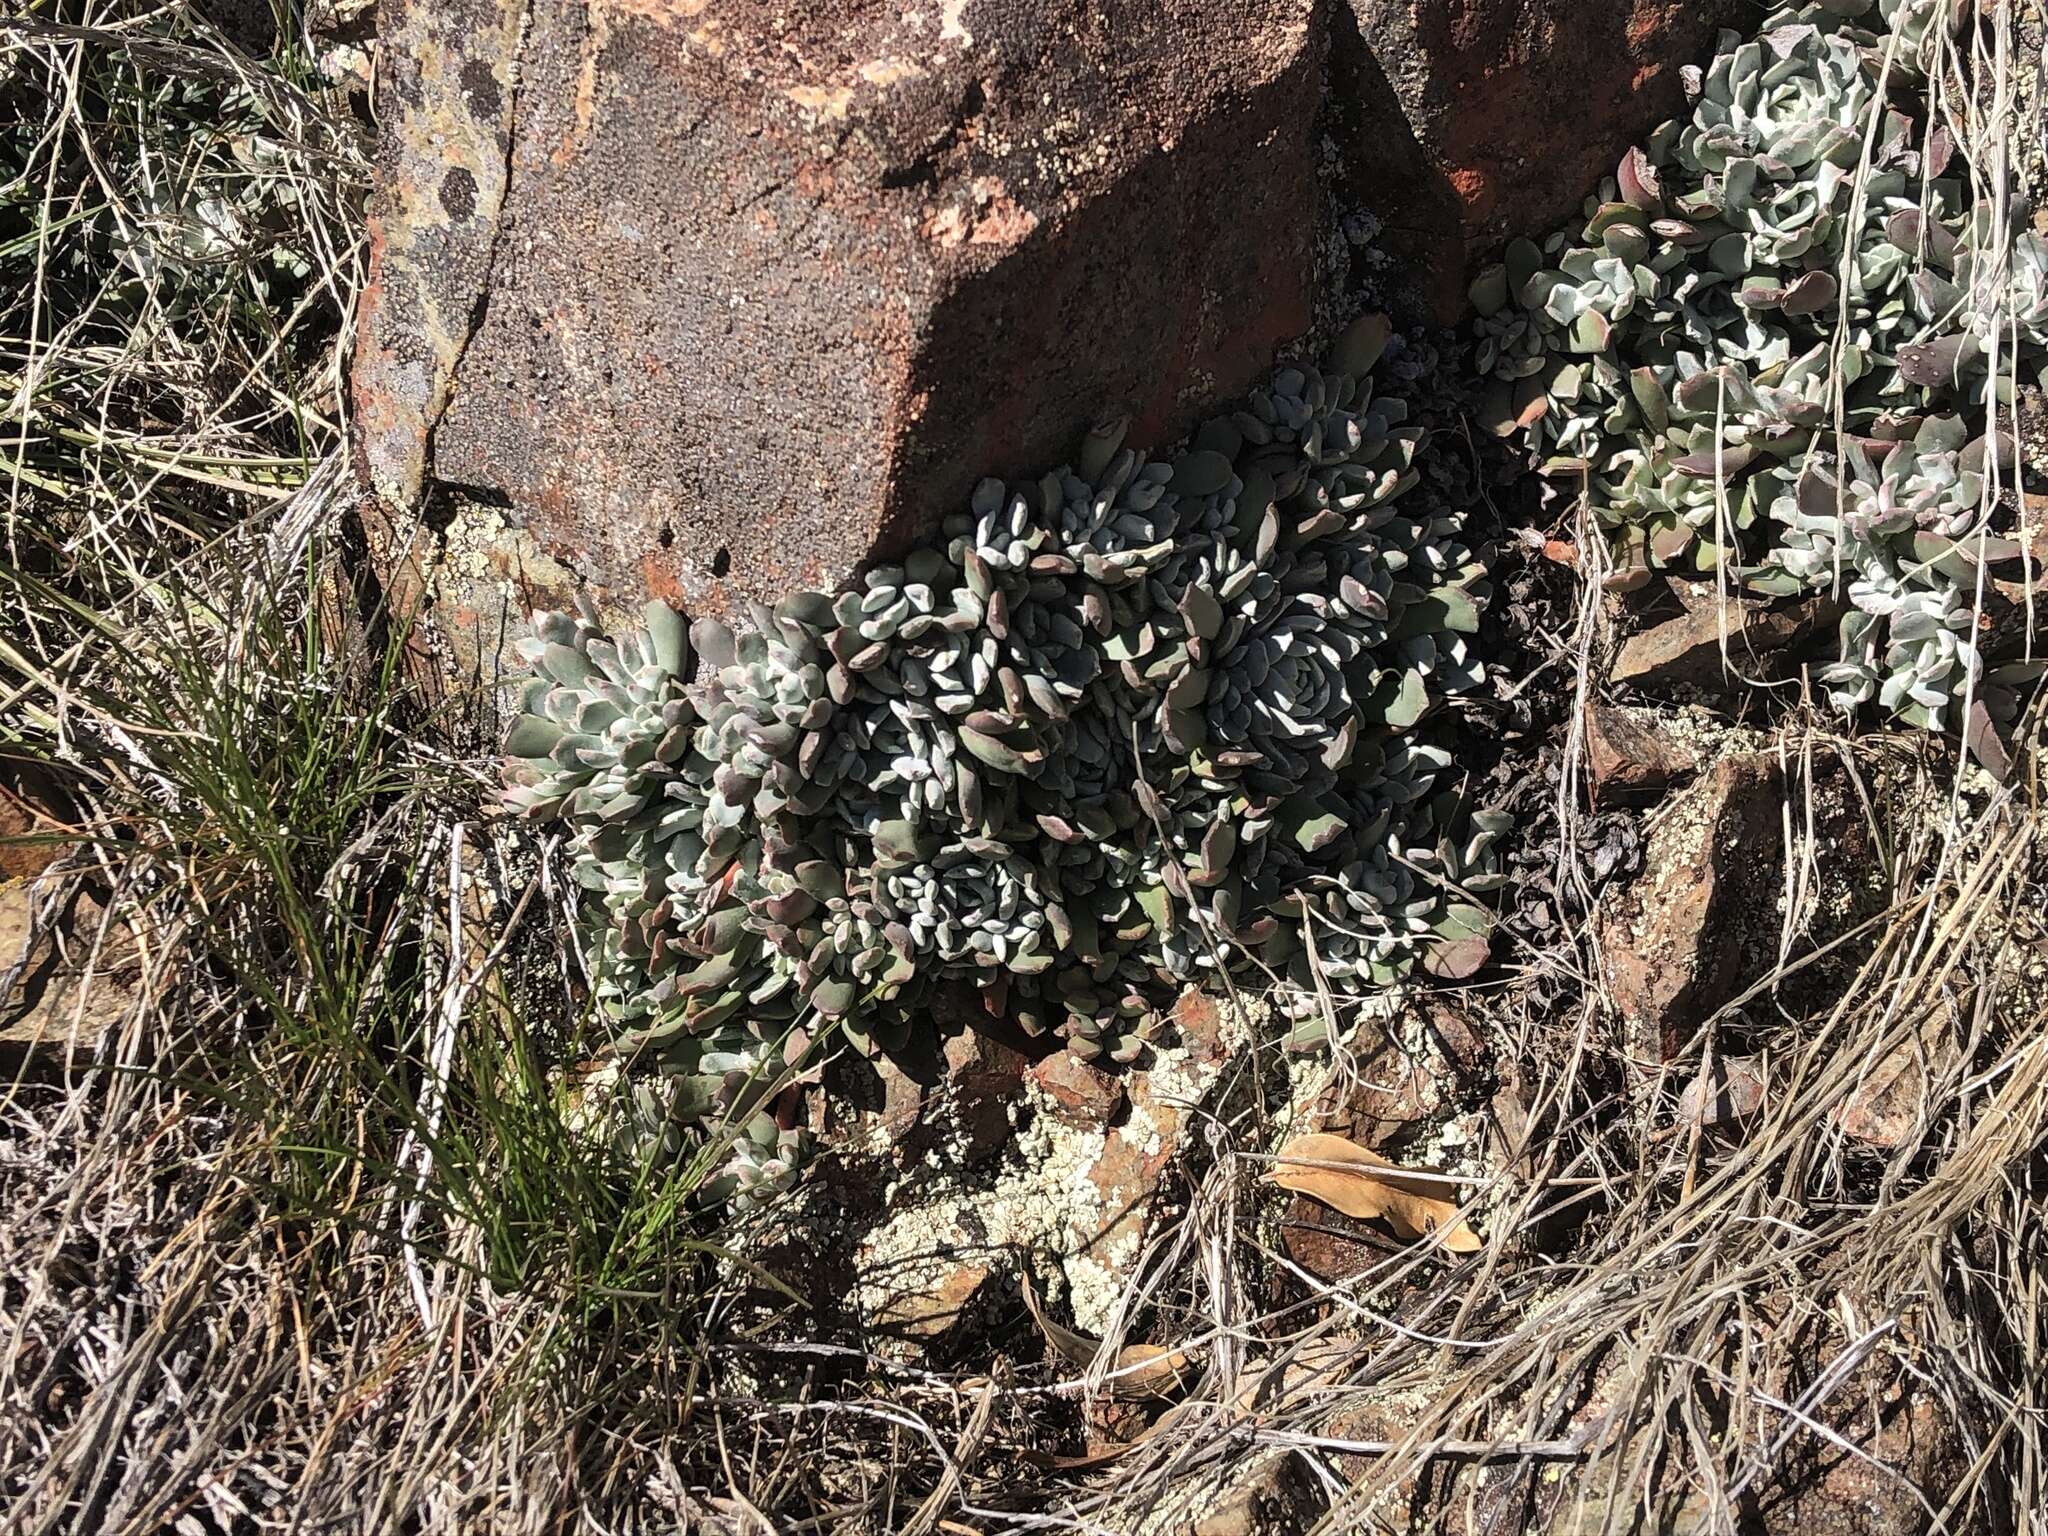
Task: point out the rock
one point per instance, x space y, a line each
32 836
1632 754
1328 1244
709 301
1474 123
958 1092
1910 1456
1877 1451
1763 639
929 1300
984 1082
1732 1092
78 983
1451 1027
1702 917
1127 1175
1270 1495
1888 1108
726 299
1077 1092
1208 1027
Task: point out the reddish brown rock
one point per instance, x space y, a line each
1732 1091
1272 1495
960 1092
1888 1107
1763 640
1456 1035
1632 754
79 980
1079 1093
929 1301
1328 1244
1143 1149
1702 917
1199 1020
710 300
728 297
1514 112
27 844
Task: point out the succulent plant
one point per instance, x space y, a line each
1126 723
1764 348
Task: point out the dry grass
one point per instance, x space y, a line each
306 1241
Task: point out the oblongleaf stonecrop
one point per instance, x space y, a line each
1120 726
1806 234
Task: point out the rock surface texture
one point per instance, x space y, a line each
1510 107
708 300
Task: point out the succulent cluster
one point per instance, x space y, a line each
1767 349
1125 723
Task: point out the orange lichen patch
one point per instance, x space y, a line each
1474 188
999 220
829 102
661 581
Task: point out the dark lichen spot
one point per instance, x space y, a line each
458 193
481 87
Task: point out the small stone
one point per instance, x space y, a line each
1632 754
21 859
1271 1496
1686 650
1080 1094
1328 1244
983 1080
932 1300
68 998
960 1091
1680 939
1733 1092
1454 1032
1886 1109
1200 1021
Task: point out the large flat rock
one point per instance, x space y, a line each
712 299
766 288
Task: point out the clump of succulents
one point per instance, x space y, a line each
1765 349
1122 725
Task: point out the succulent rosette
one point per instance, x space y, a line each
1121 725
1760 350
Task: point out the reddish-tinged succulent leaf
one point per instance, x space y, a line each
1640 186
1981 736
1457 959
1810 294
1937 362
1731 461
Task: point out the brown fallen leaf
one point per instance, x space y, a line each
1367 1186
1143 1370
